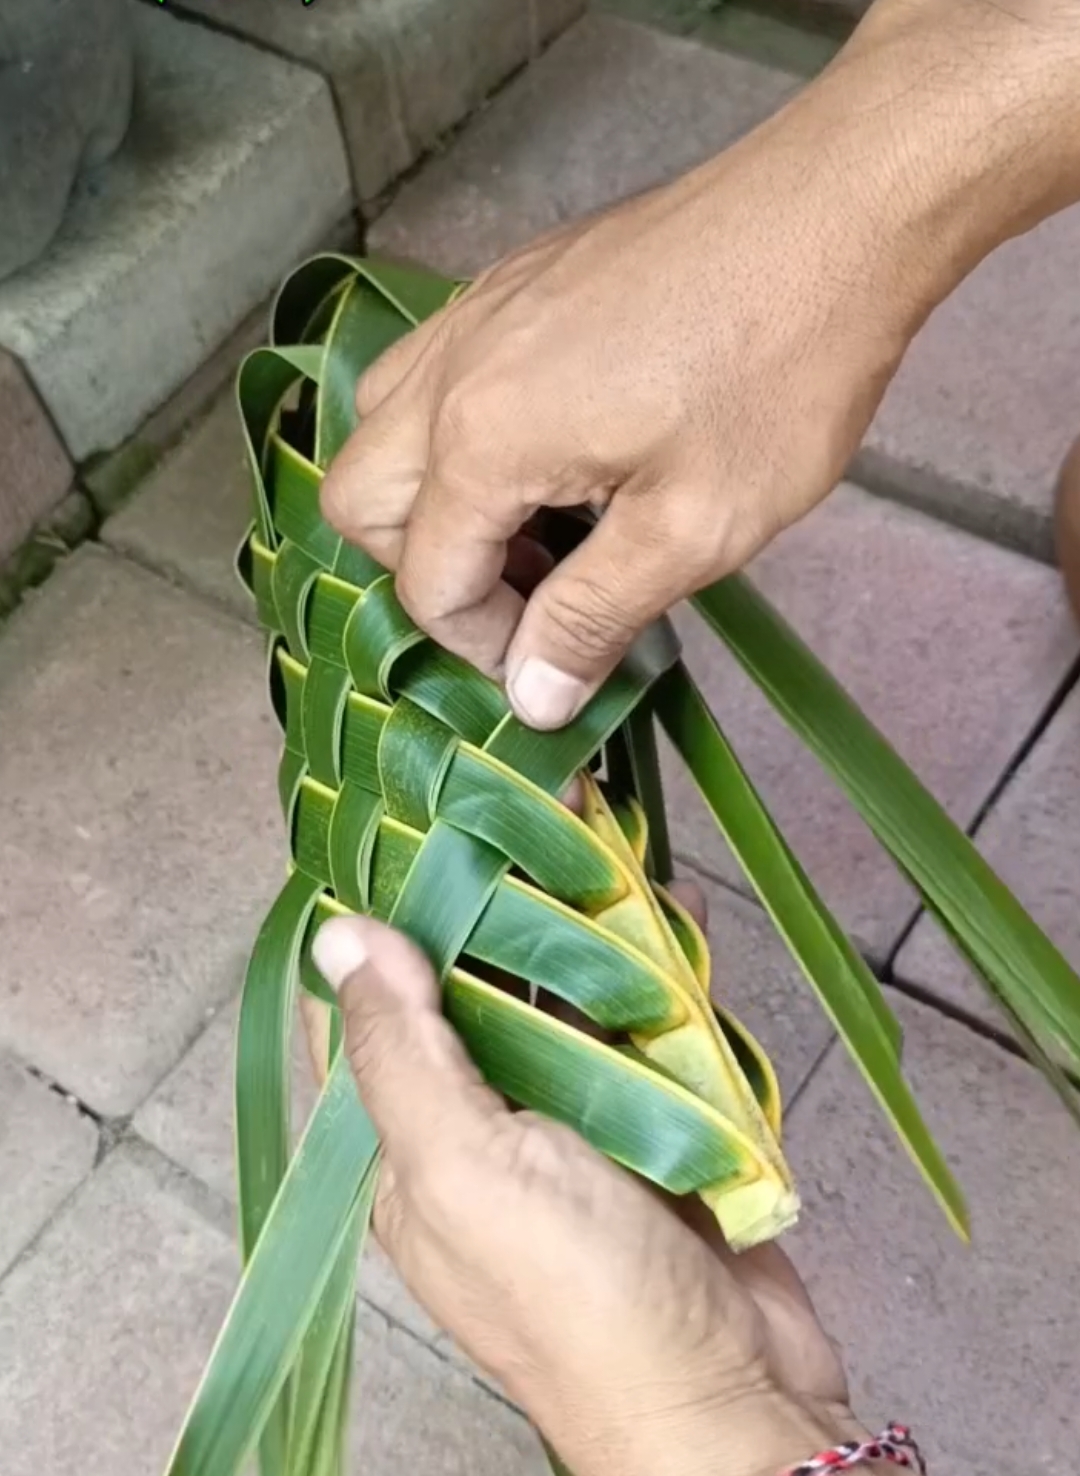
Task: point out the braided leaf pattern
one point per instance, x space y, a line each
410 792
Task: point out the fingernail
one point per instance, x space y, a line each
542 695
338 951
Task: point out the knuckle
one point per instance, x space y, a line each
433 1186
433 614
389 369
586 616
537 1152
698 524
370 391
366 1044
339 501
390 1212
463 414
332 499
424 599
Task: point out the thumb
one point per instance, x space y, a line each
633 566
425 1097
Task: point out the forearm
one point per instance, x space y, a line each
946 127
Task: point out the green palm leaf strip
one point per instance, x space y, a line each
847 990
1014 959
411 793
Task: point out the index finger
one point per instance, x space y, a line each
369 488
452 560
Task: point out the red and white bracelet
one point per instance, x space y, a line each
894 1444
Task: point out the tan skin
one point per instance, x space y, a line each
617 1318
701 362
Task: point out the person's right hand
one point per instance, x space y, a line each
703 360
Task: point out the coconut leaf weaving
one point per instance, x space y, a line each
410 792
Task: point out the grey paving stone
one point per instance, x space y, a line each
106 1323
403 72
35 471
190 1115
447 59
1031 837
952 646
983 409
610 109
190 1119
68 525
414 1411
974 1346
46 1148
189 517
343 39
233 169
142 837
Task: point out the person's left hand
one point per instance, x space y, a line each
618 1319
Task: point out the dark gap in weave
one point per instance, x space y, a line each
297 419
497 978
278 694
545 999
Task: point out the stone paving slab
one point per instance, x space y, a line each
415 1411
403 72
1031 837
47 1146
113 1312
610 109
187 520
35 471
70 523
189 1117
142 840
234 169
974 1346
952 646
106 1323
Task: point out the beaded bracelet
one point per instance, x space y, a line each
894 1444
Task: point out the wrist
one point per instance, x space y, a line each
761 1432
765 1434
